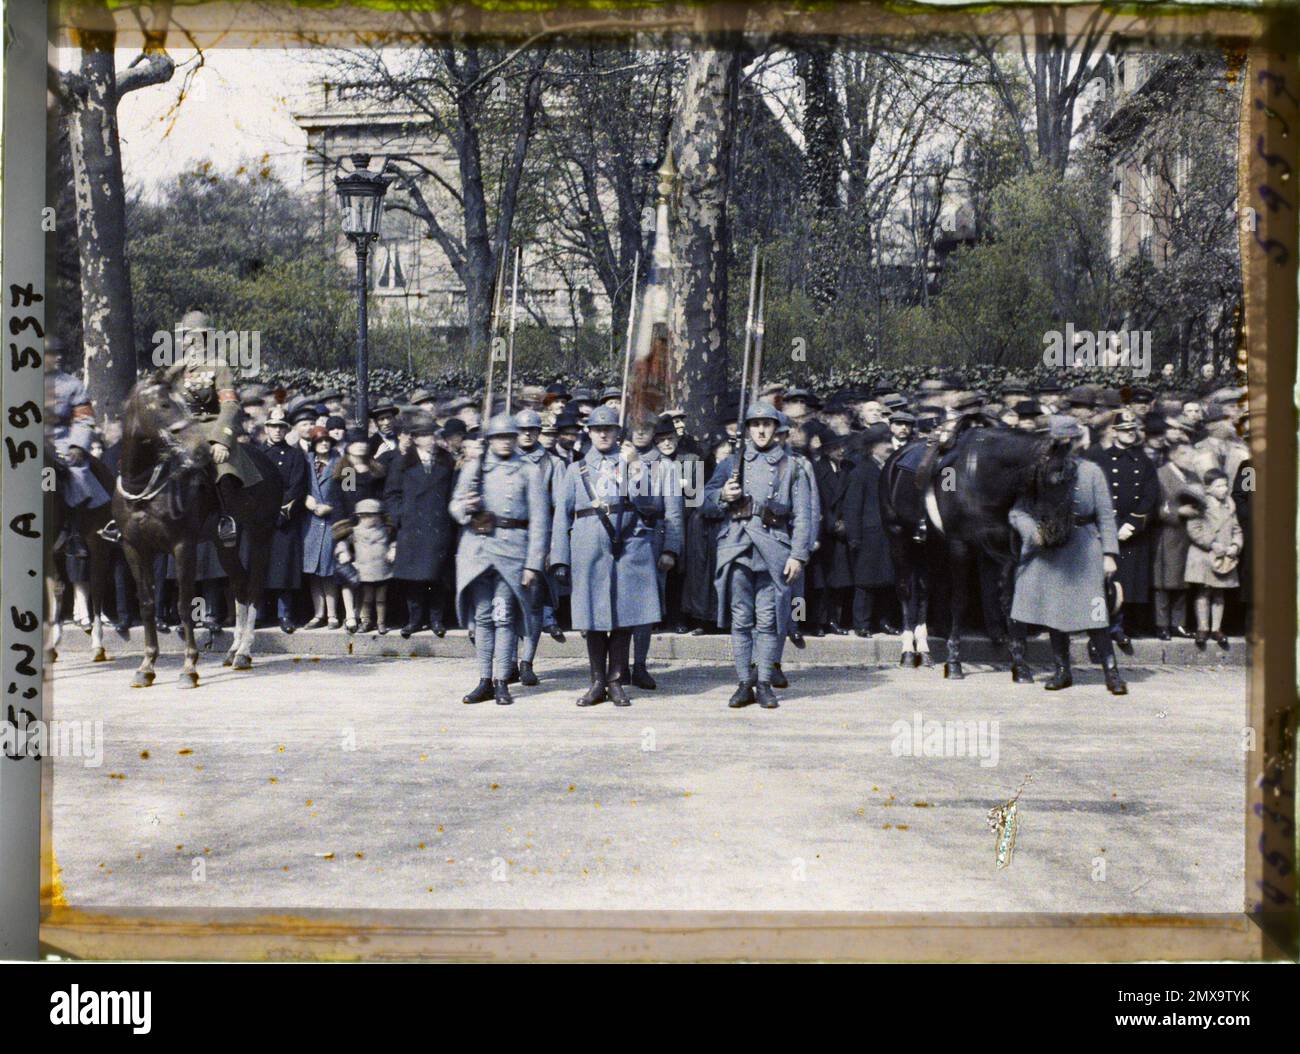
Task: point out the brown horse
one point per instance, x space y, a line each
164 502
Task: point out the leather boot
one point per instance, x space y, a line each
514 674
617 694
482 693
1061 677
765 696
778 677
593 695
526 675
414 618
501 691
742 696
641 678
1114 682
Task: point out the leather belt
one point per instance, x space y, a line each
506 521
1083 521
613 507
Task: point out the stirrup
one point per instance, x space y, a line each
110 533
227 531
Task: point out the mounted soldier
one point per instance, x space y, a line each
205 383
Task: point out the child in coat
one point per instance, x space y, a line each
373 552
1212 558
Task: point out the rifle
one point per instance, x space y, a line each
743 507
756 378
482 521
627 353
510 348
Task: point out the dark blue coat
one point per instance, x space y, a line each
284 569
417 502
317 544
868 545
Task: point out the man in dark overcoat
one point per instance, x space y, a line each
284 567
873 571
417 495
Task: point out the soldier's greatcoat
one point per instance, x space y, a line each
610 590
1134 495
513 489
770 476
1064 588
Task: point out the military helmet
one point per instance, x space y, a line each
502 425
528 419
603 417
761 411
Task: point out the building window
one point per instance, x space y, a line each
391 274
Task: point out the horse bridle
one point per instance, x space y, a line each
160 475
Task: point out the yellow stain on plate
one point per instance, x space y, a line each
144 755
185 752
275 779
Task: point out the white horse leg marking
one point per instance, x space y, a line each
907 640
923 639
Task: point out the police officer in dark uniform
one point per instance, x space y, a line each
1135 495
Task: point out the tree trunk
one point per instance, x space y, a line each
700 141
91 97
821 170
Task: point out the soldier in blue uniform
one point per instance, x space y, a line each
543 598
763 546
799 591
501 501
603 547
659 502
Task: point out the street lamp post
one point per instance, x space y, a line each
361 199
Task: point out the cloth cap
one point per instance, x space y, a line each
1063 426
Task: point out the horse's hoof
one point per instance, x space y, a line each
143 679
100 655
906 658
953 671
229 658
243 662
1022 675
927 660
189 679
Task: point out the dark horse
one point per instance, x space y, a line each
84 525
965 497
164 503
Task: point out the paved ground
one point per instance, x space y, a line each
351 781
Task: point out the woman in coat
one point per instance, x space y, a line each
1217 540
317 539
1064 587
417 496
839 603
356 477
1181 497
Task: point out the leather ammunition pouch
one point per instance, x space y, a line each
483 522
